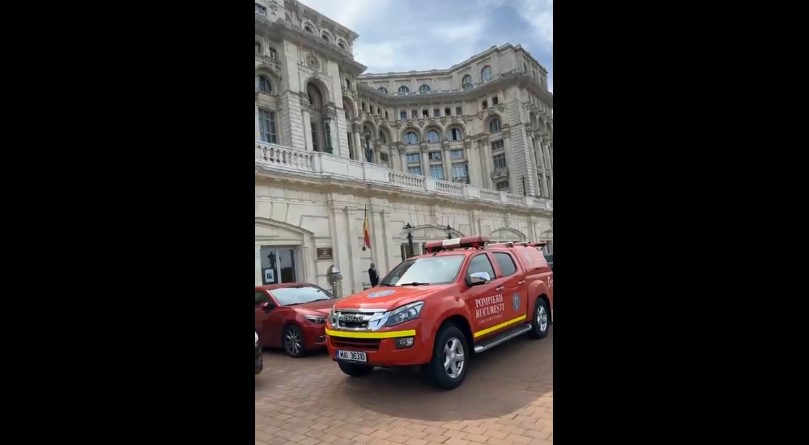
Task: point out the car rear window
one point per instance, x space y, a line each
506 263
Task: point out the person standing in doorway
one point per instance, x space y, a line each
373 275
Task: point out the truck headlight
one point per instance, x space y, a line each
317 319
405 313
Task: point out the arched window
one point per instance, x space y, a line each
341 45
494 125
264 84
455 134
432 136
404 90
382 90
308 28
326 37
486 73
424 89
411 138
466 82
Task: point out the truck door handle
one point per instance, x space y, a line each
500 287
521 282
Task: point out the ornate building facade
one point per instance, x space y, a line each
461 151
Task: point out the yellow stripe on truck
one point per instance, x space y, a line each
388 334
499 326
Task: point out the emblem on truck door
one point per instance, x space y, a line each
516 299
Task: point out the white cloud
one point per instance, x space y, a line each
539 13
348 13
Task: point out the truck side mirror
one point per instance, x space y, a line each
478 278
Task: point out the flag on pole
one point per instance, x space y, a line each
365 232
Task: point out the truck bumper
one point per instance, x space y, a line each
382 351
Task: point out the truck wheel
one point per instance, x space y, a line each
447 369
541 321
293 341
355 370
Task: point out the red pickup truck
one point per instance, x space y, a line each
435 310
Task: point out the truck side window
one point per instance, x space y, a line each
261 297
506 263
480 263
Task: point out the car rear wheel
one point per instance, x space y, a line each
541 320
293 341
447 369
355 370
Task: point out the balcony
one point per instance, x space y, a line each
268 62
272 160
500 172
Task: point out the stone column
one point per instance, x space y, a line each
402 156
425 160
487 163
307 129
259 280
472 171
446 160
358 150
514 176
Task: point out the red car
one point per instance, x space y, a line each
292 316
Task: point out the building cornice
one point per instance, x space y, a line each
454 68
501 81
280 29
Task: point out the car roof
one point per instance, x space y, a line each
269 287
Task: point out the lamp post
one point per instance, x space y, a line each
449 231
409 230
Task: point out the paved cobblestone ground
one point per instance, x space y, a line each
507 398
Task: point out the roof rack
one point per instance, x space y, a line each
466 242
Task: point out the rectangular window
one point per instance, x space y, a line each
499 160
425 113
497 145
503 185
266 122
458 111
258 49
273 55
436 112
414 114
383 157
459 171
495 100
456 154
437 171
485 105
403 115
414 170
372 109
413 158
447 112
387 118
435 155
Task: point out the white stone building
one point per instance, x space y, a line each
469 147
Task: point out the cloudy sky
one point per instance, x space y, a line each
409 35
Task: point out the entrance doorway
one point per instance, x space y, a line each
278 265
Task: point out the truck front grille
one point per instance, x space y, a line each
362 344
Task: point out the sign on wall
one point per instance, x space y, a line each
324 253
269 276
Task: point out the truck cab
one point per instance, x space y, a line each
436 310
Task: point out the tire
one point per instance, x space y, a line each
541 320
355 370
292 339
450 340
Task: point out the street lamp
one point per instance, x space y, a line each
449 231
409 231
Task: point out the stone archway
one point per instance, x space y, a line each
506 234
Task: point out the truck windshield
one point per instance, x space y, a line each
424 271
